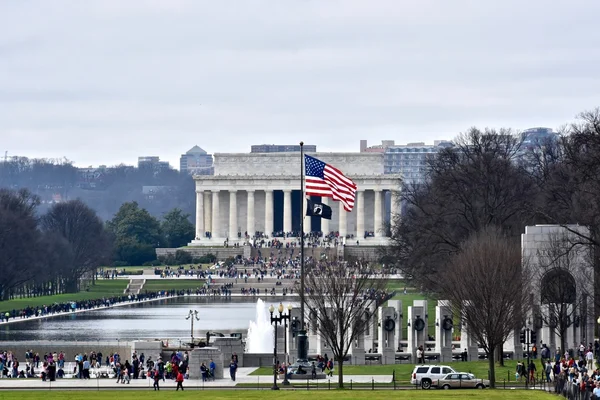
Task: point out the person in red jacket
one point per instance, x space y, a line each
179 381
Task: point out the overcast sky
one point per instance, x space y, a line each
103 82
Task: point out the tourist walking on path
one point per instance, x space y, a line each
330 367
204 372
179 381
156 377
232 369
212 367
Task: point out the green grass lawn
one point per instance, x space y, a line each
281 394
403 371
172 284
102 288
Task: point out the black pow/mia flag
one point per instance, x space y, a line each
318 210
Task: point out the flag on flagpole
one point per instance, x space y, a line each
327 181
318 209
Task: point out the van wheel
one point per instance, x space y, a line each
446 387
426 384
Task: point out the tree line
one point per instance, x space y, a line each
458 235
51 252
104 189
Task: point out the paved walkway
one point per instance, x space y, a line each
242 377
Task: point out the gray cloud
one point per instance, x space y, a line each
104 81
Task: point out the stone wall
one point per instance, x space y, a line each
368 253
261 360
204 355
222 253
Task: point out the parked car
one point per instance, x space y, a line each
461 380
424 375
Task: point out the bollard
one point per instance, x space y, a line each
504 384
307 387
329 383
372 383
350 384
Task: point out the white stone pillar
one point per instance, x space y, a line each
287 211
360 214
199 215
215 214
307 220
378 228
269 212
233 224
325 222
394 209
251 230
343 222
207 212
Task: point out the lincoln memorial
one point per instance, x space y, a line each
260 192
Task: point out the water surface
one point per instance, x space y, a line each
162 319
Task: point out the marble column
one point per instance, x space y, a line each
215 214
287 211
269 213
394 209
199 215
360 214
325 222
307 220
207 212
233 215
343 221
378 228
250 228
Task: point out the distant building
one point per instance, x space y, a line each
537 136
378 148
196 161
277 148
152 162
410 160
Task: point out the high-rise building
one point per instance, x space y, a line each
278 148
537 136
196 161
152 162
410 160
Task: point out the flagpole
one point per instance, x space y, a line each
302 234
302 338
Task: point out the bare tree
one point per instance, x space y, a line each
19 240
85 232
484 282
338 294
472 185
562 269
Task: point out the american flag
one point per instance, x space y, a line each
326 181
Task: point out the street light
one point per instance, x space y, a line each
274 321
191 316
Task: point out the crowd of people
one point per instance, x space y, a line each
72 306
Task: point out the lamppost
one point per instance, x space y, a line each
597 354
191 316
274 321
